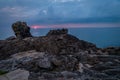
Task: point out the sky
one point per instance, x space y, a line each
73 14
59 12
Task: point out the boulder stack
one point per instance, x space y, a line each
21 30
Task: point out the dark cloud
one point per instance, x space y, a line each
60 11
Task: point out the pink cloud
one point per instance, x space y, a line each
82 25
37 26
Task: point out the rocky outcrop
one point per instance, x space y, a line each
21 30
57 56
54 44
112 50
57 32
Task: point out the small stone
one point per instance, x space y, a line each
88 65
44 63
80 67
57 62
68 74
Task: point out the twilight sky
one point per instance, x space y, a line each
62 12
79 15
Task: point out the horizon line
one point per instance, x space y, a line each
76 25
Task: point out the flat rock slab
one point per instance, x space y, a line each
16 75
31 53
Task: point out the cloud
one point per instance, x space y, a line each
60 11
65 0
20 12
78 25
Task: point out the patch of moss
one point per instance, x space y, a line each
3 72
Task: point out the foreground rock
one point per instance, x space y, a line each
44 66
16 75
39 60
57 56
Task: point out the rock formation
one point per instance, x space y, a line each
58 56
54 44
21 30
57 32
15 75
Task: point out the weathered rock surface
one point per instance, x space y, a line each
57 32
16 75
21 30
54 44
58 56
113 50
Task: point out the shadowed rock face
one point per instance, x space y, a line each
54 44
21 30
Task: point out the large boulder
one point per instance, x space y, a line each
21 30
16 75
39 61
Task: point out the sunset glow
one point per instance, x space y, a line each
37 26
88 25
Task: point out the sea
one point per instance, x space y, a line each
101 37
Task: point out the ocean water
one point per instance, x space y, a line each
102 37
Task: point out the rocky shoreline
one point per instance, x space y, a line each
57 56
